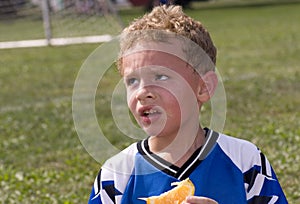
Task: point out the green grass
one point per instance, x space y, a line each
41 157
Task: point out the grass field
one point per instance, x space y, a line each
41 157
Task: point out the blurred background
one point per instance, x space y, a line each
44 43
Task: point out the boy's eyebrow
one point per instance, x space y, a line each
127 73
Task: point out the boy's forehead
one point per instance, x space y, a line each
173 47
151 57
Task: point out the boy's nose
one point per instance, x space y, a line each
144 94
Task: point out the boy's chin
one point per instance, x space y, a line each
152 131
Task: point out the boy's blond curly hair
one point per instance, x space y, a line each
170 19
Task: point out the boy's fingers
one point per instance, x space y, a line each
199 200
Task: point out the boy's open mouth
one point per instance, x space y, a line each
148 112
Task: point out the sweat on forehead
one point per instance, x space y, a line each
166 42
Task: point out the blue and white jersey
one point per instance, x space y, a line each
226 169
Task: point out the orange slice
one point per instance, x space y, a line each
176 195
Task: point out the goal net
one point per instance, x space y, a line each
57 22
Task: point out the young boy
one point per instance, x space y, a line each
167 60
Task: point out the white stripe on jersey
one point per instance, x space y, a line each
268 168
198 156
255 190
96 186
155 160
273 200
242 153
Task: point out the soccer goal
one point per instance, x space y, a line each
31 23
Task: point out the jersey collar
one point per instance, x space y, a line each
187 168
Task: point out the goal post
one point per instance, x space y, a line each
46 20
53 22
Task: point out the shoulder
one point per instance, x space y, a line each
122 162
259 178
231 143
112 178
242 153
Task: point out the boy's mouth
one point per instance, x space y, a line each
151 118
149 112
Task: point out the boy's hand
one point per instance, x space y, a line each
199 200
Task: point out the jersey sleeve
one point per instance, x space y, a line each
112 179
95 197
261 183
104 189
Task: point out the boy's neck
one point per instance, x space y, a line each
178 152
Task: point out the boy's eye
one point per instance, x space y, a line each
161 77
131 81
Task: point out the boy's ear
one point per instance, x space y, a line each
207 86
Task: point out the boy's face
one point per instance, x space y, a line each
161 92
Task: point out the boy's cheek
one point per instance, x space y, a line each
130 98
132 103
